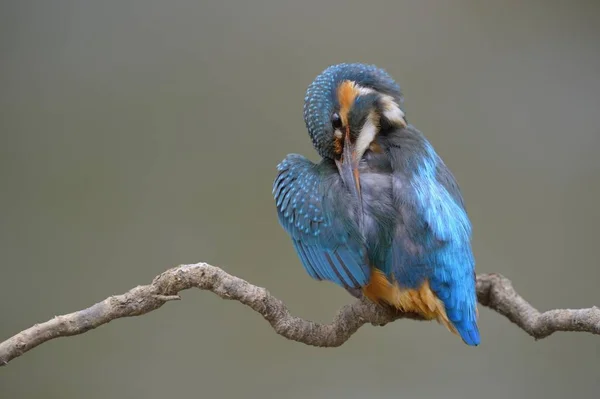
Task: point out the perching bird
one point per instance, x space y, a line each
381 213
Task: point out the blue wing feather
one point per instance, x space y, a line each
433 240
325 240
305 260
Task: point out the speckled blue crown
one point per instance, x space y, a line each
320 99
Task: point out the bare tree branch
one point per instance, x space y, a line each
493 291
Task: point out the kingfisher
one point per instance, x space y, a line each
380 215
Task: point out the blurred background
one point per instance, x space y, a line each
139 135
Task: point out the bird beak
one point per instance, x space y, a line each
348 166
350 155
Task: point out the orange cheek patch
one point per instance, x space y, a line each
337 145
347 93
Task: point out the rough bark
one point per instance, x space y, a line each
493 290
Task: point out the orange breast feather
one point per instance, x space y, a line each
422 301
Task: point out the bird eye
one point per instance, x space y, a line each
336 121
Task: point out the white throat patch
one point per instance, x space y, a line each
391 108
391 111
367 134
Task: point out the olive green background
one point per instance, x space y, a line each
139 135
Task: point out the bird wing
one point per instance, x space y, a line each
446 179
309 200
433 232
432 241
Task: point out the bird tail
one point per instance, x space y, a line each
423 301
468 331
460 308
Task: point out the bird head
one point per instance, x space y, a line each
346 107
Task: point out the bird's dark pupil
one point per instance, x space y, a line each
336 121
